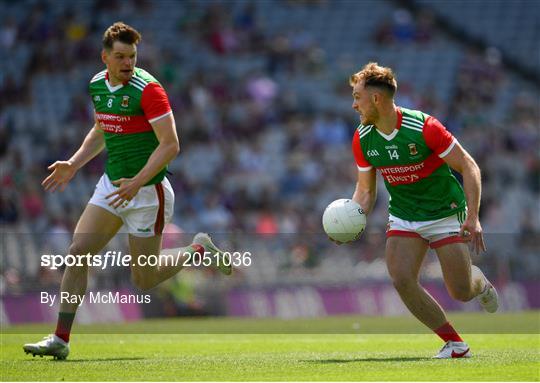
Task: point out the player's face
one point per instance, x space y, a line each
364 105
120 61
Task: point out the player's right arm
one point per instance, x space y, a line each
365 192
63 171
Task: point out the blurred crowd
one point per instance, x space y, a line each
256 156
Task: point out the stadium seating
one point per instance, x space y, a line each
264 157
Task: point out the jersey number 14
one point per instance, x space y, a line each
393 154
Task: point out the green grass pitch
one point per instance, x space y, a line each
201 350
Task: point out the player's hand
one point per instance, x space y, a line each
472 231
127 189
62 173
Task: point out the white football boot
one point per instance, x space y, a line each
51 345
454 350
220 259
489 299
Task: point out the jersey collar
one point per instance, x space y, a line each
389 137
111 88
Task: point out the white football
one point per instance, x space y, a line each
344 220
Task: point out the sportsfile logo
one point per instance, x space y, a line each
117 258
110 258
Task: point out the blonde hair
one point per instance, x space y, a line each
377 76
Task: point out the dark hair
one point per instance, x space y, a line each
120 32
377 76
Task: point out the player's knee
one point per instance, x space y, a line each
461 293
77 249
404 282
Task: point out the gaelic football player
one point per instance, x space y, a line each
428 207
135 123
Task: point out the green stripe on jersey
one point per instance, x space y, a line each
461 216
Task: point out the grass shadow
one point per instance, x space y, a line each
92 360
356 360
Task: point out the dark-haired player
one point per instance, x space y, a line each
134 121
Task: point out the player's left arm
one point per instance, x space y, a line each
165 129
461 161
448 148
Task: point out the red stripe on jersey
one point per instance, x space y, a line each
116 123
154 101
357 151
437 138
408 174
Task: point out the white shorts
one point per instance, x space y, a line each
437 233
146 214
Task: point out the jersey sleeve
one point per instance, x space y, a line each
361 162
154 102
438 139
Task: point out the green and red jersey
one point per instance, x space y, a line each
125 113
420 183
